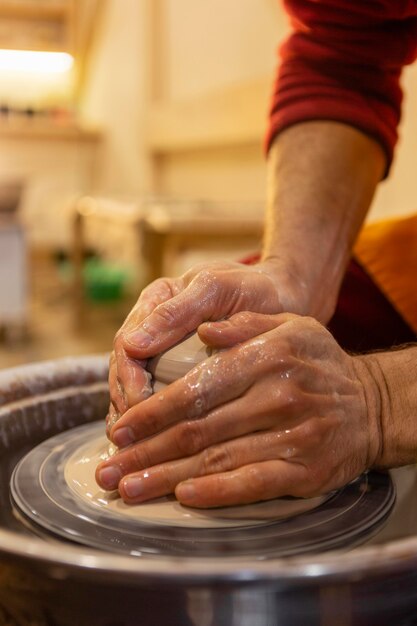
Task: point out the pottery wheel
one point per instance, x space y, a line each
53 490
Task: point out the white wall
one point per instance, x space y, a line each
211 45
204 46
114 97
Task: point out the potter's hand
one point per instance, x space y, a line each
285 411
171 308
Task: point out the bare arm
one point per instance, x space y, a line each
390 389
321 180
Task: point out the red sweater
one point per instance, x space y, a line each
343 62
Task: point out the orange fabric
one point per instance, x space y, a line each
388 252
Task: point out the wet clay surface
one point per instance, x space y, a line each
42 496
177 361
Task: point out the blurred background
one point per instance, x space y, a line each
131 137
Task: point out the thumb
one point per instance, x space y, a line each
240 328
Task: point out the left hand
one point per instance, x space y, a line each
283 411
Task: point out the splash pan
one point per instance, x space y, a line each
53 489
48 578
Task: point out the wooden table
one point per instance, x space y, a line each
165 234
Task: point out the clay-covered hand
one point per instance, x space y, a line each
170 308
283 411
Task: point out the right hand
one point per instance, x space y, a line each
171 308
281 410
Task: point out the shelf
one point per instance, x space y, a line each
53 10
45 25
47 131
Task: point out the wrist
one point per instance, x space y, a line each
373 405
391 382
320 182
291 288
303 290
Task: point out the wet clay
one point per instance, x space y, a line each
177 361
79 475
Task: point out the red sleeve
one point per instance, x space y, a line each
343 62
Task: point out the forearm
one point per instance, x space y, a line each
321 180
390 390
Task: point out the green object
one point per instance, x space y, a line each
104 282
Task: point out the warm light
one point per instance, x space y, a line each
35 61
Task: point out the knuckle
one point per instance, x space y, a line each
314 324
290 394
198 395
193 271
311 433
159 283
189 438
143 423
158 288
167 478
151 424
248 355
246 318
166 312
117 342
216 459
288 397
257 482
208 278
314 480
142 457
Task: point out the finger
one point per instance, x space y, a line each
111 418
129 384
151 296
135 385
240 327
215 381
162 479
134 380
248 414
117 393
210 295
245 485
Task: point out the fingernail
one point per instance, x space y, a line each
123 437
185 491
133 487
109 477
139 338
